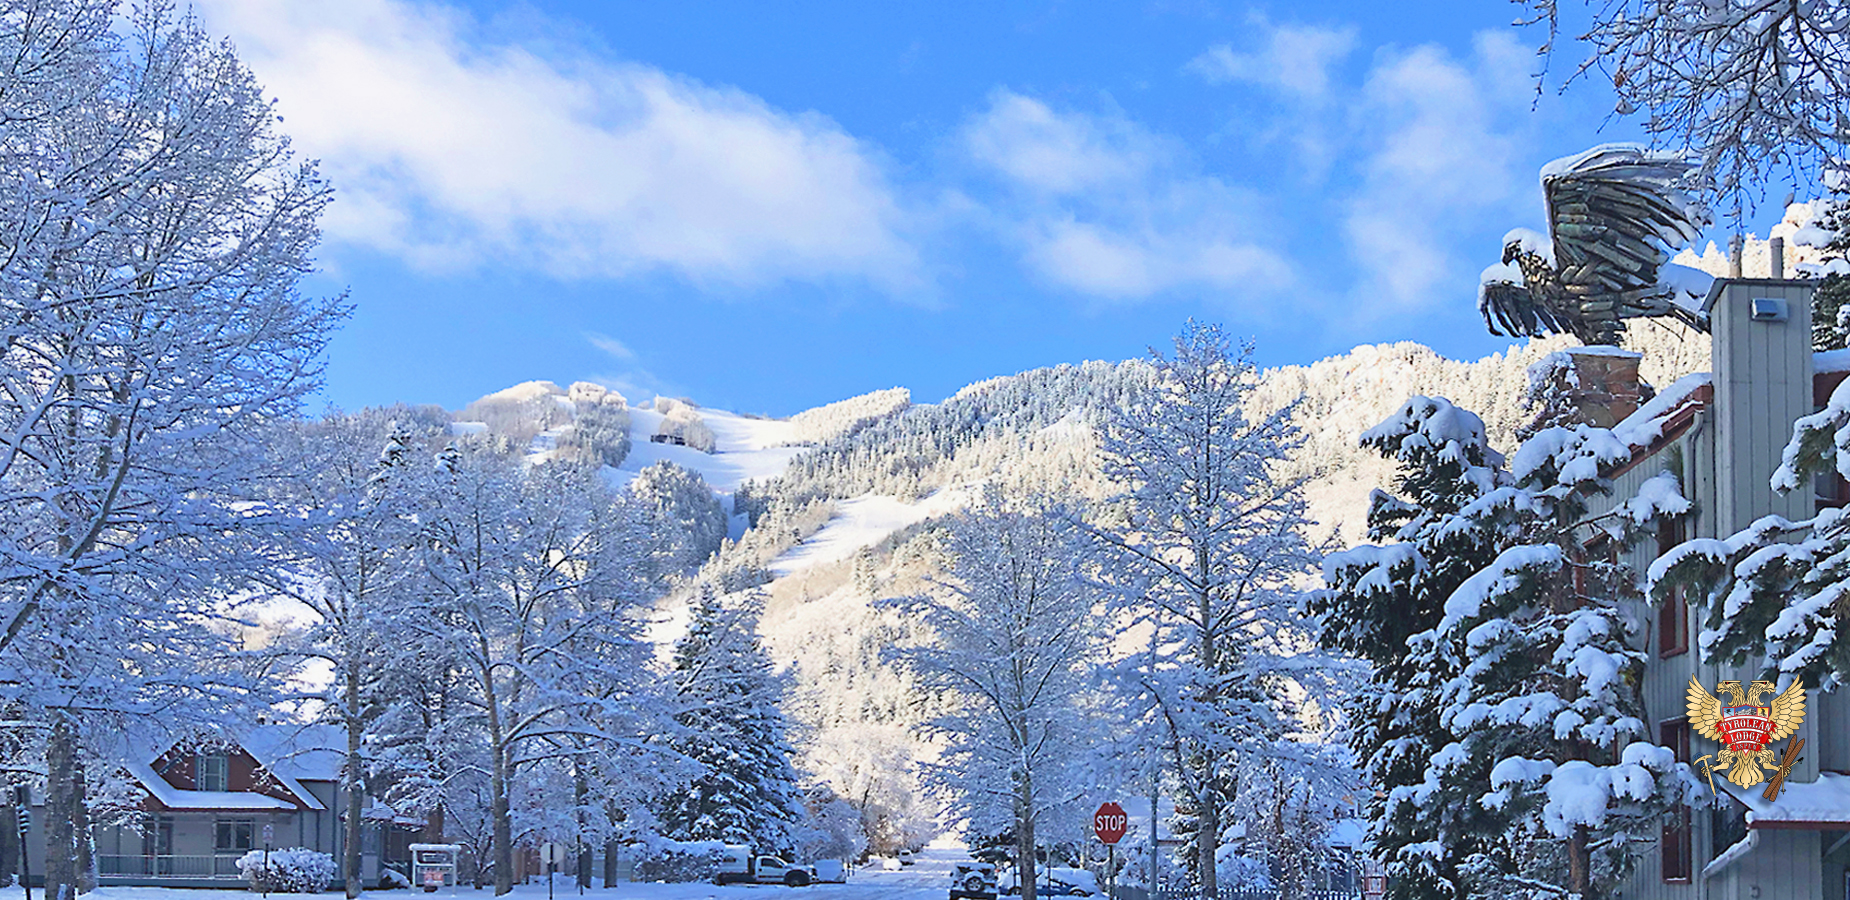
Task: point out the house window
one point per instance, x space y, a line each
1593 566
212 772
1678 852
1673 615
232 836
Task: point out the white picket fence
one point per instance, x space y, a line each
1192 892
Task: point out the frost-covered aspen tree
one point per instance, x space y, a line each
731 723
1753 87
357 482
1382 594
1209 543
1539 694
155 228
533 579
1018 636
1779 590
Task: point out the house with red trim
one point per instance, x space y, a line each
207 804
1721 434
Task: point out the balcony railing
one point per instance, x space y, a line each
171 866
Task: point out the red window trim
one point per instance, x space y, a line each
1674 733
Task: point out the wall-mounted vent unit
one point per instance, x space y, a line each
1769 309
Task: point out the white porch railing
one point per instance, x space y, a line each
171 866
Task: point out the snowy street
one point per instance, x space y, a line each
929 877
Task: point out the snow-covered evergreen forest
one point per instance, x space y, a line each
564 615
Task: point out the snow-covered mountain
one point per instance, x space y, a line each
831 508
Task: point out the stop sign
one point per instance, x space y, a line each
1108 823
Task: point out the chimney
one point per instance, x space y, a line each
1761 351
1776 250
1599 385
1734 256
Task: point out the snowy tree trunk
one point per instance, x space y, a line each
356 785
504 829
433 825
498 785
1024 839
1207 841
1579 868
80 824
611 848
581 792
60 763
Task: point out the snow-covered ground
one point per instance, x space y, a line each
744 448
929 877
863 522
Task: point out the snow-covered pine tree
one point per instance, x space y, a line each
1779 590
1829 230
1542 685
1381 595
684 514
731 723
1546 399
1208 543
1016 648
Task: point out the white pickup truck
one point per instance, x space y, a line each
739 863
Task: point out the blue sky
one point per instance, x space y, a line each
770 206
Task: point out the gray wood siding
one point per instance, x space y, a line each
1763 374
1763 381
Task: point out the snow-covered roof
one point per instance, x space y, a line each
1345 833
1646 426
380 812
1824 803
1830 361
175 798
288 753
296 753
1663 416
307 752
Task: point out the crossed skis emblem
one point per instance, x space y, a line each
1774 784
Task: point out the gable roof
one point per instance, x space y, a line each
289 754
1663 419
176 798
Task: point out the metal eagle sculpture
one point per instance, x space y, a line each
1615 214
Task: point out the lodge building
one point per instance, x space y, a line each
1722 434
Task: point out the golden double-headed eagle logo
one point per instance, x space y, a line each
1747 729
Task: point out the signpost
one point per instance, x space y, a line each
551 854
1109 824
269 835
22 803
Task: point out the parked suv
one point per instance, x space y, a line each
973 881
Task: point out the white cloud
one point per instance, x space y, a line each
1103 207
1294 59
632 379
451 151
1036 148
615 348
1441 151
1427 150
